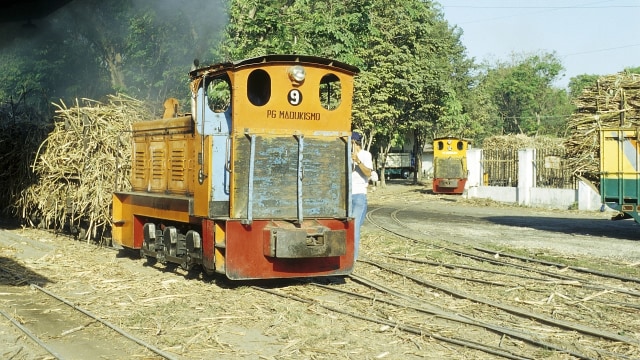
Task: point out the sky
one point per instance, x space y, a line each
589 36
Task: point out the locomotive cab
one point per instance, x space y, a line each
254 183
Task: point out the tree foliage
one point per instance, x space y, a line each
415 77
581 82
332 29
523 96
415 74
412 65
93 48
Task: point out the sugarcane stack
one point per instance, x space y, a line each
521 141
613 101
84 159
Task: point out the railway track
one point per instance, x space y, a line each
506 331
63 330
558 298
482 303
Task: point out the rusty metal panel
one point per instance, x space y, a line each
162 155
298 243
450 168
286 240
180 165
275 183
552 170
244 251
139 165
157 181
180 125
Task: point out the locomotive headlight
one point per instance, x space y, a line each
297 74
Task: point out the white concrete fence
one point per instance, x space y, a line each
586 197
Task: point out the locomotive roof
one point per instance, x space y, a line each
451 137
274 59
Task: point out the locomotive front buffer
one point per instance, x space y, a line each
286 240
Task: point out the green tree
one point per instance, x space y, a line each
411 60
581 82
93 48
416 70
46 61
330 29
523 95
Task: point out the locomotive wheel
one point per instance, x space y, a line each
170 267
186 263
208 272
149 260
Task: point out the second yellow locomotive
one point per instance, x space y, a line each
254 183
449 165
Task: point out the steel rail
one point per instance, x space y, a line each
444 314
107 324
89 314
515 310
573 282
31 335
396 325
562 266
582 282
494 261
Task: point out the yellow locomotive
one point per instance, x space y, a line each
449 165
255 182
619 171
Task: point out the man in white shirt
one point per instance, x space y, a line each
362 167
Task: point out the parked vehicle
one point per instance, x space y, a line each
400 164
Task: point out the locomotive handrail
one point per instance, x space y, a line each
227 164
252 158
348 171
201 174
300 139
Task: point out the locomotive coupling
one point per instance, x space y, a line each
287 240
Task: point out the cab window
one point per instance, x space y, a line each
259 87
330 92
218 94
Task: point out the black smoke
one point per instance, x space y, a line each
91 48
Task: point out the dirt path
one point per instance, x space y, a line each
479 221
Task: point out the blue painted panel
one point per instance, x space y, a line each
217 125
